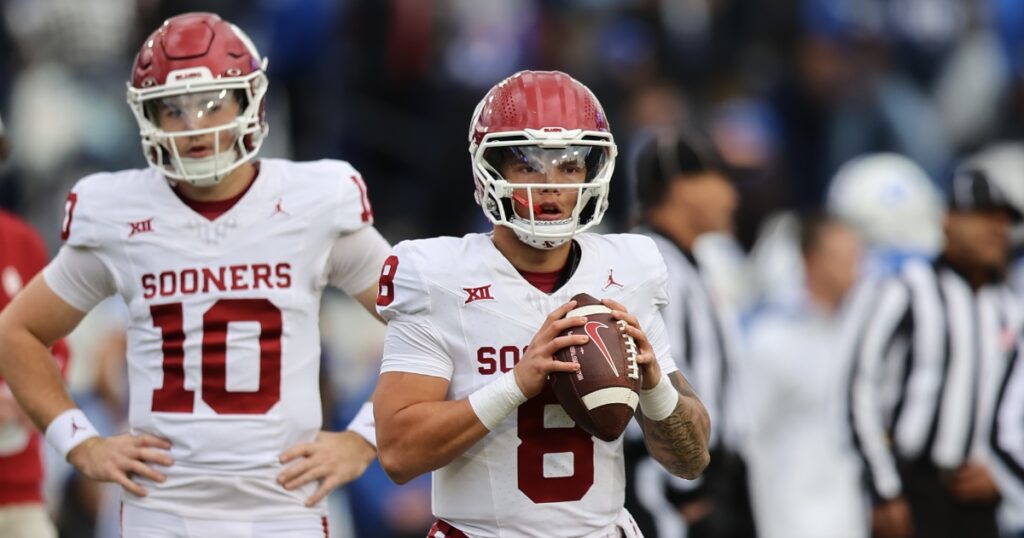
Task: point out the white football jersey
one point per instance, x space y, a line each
223 340
457 309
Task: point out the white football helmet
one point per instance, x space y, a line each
891 201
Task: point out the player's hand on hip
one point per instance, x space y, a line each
334 459
539 360
649 369
118 458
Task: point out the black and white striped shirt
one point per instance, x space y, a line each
697 333
922 382
1006 437
700 348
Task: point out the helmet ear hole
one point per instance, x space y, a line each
151 111
159 153
242 99
506 204
588 211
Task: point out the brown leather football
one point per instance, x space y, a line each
602 397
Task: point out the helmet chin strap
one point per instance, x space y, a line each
521 226
208 171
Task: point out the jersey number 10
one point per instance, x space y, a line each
173 397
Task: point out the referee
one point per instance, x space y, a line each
683 195
918 389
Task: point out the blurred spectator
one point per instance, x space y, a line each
23 511
684 195
893 204
22 508
803 472
918 382
1003 162
1007 441
747 131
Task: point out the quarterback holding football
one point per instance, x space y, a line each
475 324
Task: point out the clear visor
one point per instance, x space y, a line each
192 111
534 164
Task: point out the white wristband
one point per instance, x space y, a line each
70 429
659 402
364 425
495 400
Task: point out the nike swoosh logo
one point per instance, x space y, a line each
591 328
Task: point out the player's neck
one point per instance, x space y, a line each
526 258
231 186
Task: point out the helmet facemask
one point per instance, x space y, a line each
186 106
543 167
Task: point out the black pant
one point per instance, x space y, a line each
727 490
935 513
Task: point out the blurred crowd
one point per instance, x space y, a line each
813 105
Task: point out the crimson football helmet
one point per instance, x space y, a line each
186 71
541 121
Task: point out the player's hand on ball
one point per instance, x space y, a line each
334 459
117 458
650 371
539 360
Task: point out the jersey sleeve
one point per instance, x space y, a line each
657 333
355 261
403 292
675 316
353 211
415 348
79 277
82 213
661 296
411 343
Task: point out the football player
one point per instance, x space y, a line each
474 322
221 260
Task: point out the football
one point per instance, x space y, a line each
602 397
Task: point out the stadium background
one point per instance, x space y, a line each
788 89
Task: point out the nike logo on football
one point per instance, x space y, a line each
591 327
